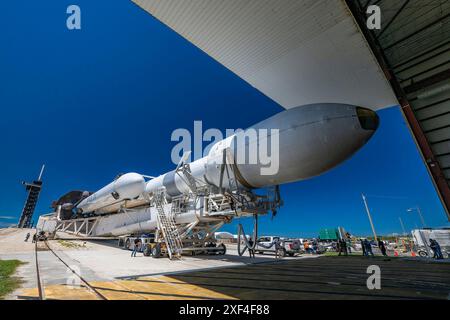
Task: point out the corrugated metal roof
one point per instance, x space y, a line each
295 52
414 39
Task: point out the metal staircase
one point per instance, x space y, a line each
167 226
191 183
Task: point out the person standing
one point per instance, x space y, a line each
137 244
251 251
277 248
434 245
382 247
315 246
348 242
306 246
363 247
368 247
342 247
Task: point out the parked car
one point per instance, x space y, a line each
289 247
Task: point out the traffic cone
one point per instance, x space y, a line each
413 254
395 253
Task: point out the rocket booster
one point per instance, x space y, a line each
126 187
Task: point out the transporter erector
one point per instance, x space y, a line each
184 207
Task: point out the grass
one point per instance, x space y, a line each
8 283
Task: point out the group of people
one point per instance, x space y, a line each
343 246
366 247
310 247
28 237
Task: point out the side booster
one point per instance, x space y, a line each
126 187
311 140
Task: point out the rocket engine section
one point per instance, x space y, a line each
127 187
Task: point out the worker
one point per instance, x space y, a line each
348 241
306 246
251 251
368 248
277 244
342 247
137 244
363 247
315 246
382 247
27 237
434 245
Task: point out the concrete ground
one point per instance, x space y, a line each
116 275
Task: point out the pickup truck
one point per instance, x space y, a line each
289 247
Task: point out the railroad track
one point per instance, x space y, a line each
41 288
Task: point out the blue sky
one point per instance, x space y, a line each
103 100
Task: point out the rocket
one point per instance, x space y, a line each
304 142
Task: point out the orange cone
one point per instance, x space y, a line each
413 254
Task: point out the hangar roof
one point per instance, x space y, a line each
295 52
414 40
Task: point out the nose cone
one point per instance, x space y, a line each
130 185
368 119
314 139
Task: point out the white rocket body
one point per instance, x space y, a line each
127 187
311 140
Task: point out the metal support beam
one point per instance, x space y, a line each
424 148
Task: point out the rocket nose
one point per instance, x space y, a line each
368 119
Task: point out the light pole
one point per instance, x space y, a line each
403 227
370 217
420 215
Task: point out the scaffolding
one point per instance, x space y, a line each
33 189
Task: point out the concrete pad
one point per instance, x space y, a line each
12 240
116 275
100 256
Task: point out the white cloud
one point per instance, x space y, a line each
7 217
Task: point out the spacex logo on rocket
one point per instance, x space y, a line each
259 147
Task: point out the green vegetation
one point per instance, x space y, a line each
8 283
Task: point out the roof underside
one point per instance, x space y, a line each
295 52
415 40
